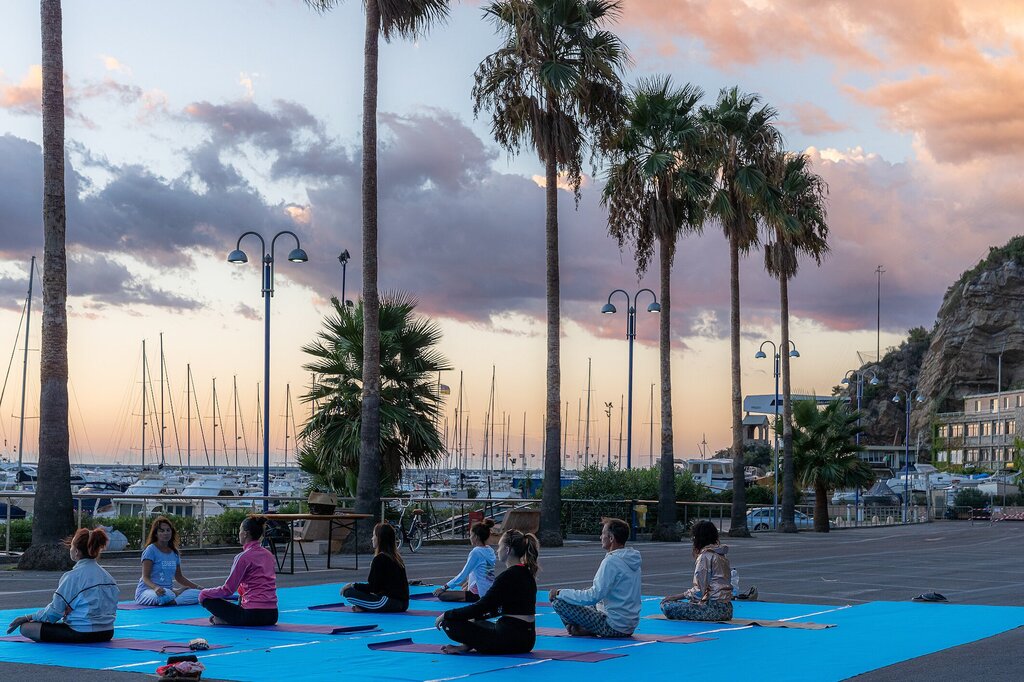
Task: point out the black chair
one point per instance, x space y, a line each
279 534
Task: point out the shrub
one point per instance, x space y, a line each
970 497
21 534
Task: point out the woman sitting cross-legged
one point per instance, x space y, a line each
512 598
710 598
386 589
161 567
85 603
478 574
252 575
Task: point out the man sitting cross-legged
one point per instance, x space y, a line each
611 606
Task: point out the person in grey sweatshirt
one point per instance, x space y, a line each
611 606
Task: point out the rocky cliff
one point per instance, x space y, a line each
981 317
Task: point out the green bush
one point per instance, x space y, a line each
21 534
970 497
632 484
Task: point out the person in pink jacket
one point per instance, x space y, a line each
252 576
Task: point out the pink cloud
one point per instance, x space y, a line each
810 119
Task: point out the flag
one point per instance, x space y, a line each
444 390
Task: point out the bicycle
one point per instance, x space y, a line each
418 527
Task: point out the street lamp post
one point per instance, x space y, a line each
909 398
343 259
760 355
860 394
609 309
296 255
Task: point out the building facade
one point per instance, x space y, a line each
983 434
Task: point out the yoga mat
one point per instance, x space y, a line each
429 596
158 645
637 637
406 645
759 622
133 606
345 608
281 627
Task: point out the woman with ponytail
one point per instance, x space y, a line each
83 607
477 575
252 575
512 599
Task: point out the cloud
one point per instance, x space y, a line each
810 119
948 71
104 281
248 83
248 312
114 64
25 97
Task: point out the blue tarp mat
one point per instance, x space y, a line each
867 637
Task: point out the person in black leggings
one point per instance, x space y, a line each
386 589
252 575
512 597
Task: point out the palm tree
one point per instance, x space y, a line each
410 402
743 140
825 453
800 227
554 86
390 18
54 520
656 190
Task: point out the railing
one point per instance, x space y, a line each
196 528
448 518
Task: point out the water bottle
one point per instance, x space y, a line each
735 582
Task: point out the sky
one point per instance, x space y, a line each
186 128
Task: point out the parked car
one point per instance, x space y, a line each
762 518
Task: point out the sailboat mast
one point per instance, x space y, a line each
145 370
161 399
24 368
234 401
586 437
188 420
214 422
652 424
459 461
287 405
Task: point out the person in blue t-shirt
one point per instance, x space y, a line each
161 568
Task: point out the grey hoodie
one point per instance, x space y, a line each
616 590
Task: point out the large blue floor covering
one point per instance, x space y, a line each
867 637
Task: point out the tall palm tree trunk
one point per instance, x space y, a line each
53 519
788 522
551 501
738 523
666 529
368 484
820 508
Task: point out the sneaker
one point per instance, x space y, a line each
930 596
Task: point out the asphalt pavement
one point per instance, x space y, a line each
969 564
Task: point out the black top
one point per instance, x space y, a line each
387 578
514 593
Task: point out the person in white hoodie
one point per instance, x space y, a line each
611 606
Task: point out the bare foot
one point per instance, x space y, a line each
454 649
358 609
577 631
214 620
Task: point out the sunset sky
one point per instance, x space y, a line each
191 123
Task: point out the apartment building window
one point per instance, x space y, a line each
1006 403
1011 427
992 405
986 428
956 430
943 431
977 406
999 427
1018 401
972 430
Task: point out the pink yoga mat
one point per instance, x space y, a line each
310 628
158 645
345 608
408 646
637 637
